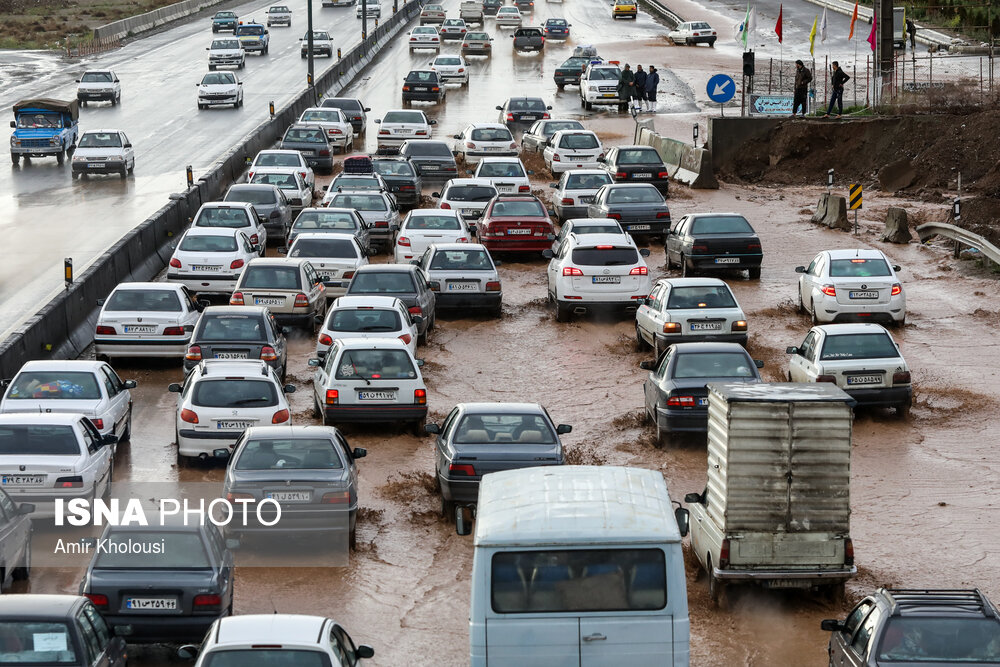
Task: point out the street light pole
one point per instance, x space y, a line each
309 40
364 22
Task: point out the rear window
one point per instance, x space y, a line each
182 551
250 30
359 202
386 282
340 220
332 248
698 296
36 643
367 320
700 26
476 37
233 218
491 134
643 195
527 104
586 181
639 156
422 77
375 364
38 441
242 328
447 61
293 454
578 580
583 230
327 116
859 346
518 208
283 181
305 135
605 256
713 365
277 160
271 277
337 103
729 224
405 117
859 267
394 168
500 170
443 222
223 393
427 148
528 32
254 195
471 193
151 300
488 429
550 128
48 385
579 141
355 183
465 260
268 658
937 639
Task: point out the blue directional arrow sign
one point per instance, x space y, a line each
721 88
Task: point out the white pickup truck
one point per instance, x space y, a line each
471 11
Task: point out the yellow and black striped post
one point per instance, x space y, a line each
854 201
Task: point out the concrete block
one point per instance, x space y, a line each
897 226
831 211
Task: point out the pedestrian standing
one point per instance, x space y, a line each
626 87
640 87
911 28
838 78
803 77
652 80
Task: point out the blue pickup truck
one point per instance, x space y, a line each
44 127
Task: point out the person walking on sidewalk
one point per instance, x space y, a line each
626 87
911 28
640 88
803 77
652 81
837 79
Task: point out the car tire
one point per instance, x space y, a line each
24 571
687 42
498 311
201 107
670 264
131 168
352 539
711 43
562 312
656 349
106 494
802 307
754 273
417 427
560 86
716 588
588 106
902 411
812 313
662 436
15 159
640 342
127 433
123 172
61 156
422 337
685 272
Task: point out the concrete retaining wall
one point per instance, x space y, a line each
727 135
64 327
150 20
685 163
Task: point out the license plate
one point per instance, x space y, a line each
140 328
785 583
289 496
151 603
527 118
95 165
702 402
504 187
608 95
494 148
202 267
22 480
706 326
263 301
463 287
642 175
420 89
864 379
230 355
727 260
586 200
518 231
638 228
404 131
430 167
607 280
868 294
376 396
233 425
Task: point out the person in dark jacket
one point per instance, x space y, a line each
652 81
626 87
640 88
803 77
837 79
911 29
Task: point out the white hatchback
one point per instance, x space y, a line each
99 85
572 149
574 193
469 197
583 227
401 125
451 69
424 226
860 284
508 17
226 52
289 181
220 399
339 130
283 158
480 140
211 261
368 317
224 215
506 173
146 320
424 37
334 256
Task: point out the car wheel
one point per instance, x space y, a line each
316 411
422 337
656 348
562 312
131 167
127 433
201 107
21 573
352 538
61 156
685 272
640 342
662 436
560 86
903 411
754 274
687 42
114 101
123 173
106 494
417 427
498 311
790 377
16 159
588 106
812 311
670 264
716 588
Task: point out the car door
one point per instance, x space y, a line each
98 462
645 314
425 297
120 402
277 336
802 366
316 288
807 280
863 641
653 387
840 642
442 455
129 152
674 239
191 313
554 267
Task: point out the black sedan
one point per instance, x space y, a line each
536 136
569 72
312 142
480 438
270 203
237 332
676 393
402 178
423 85
63 630
709 242
433 159
523 110
170 594
637 164
638 207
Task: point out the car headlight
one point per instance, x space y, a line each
54 141
592 89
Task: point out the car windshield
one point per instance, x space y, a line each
490 429
579 141
207 244
381 282
339 220
250 30
527 104
225 15
471 193
218 79
39 120
435 148
36 643
225 45
359 202
242 328
491 134
640 195
434 222
282 181
101 140
230 393
234 218
415 117
38 441
326 248
355 183
375 365
49 385
277 160
586 181
859 346
292 454
936 639
364 320
713 365
639 156
322 116
96 77
447 61
149 300
859 267
305 135
500 170
317 35
518 208
464 260
271 277
606 256
181 551
574 63
393 168
253 195
725 224
701 296
341 103
604 74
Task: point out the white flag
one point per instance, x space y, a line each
751 25
822 27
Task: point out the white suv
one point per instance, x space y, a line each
841 285
595 271
220 399
468 197
599 85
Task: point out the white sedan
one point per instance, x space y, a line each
856 284
861 359
220 88
480 140
334 256
509 17
574 193
424 37
367 317
506 173
401 125
425 226
146 320
338 129
692 33
103 152
209 260
296 190
451 69
283 158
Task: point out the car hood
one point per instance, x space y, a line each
224 52
218 87
95 85
95 152
37 132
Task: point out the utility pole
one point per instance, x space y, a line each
364 23
309 41
885 35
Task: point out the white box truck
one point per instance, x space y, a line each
898 26
578 565
776 510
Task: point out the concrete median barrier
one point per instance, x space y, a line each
685 163
153 19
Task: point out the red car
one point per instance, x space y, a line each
516 223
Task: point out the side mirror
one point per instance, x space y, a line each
498 109
601 159
378 120
548 108
189 652
100 302
416 319
393 228
288 389
456 136
365 651
14 124
800 269
683 517
548 254
25 508
207 48
434 286
174 387
644 252
128 145
551 212
647 365
359 452
367 109
791 350
759 363
462 527
256 248
436 195
204 303
473 232
831 625
531 173
693 499
78 81
221 454
896 267
415 262
315 362
554 186
109 439
564 428
432 122
432 428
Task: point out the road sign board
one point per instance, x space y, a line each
721 88
854 200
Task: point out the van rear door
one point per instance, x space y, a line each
533 642
636 640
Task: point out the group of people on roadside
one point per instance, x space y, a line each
638 88
803 77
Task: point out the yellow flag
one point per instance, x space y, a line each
812 35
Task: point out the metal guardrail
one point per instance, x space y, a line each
665 12
962 236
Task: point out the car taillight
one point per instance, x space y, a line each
699 247
420 396
615 216
545 115
250 175
416 310
671 327
301 301
639 271
381 223
173 331
336 498
406 338
325 339
233 497
325 152
332 396
724 555
524 188
493 286
406 88
510 116
106 331
572 271
407 187
621 174
683 401
236 264
268 353
413 39
826 378
896 289
335 132
662 214
556 158
445 205
280 417
567 201
753 246
469 144
176 263
513 145
421 132
466 469
193 353
902 377
829 290
403 241
100 601
848 551
207 601
739 325
383 131
662 174
236 299
189 416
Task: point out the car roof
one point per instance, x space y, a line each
99 131
576 131
851 328
213 231
326 236
592 222
692 282
593 240
372 344
283 151
426 212
35 604
386 268
938 602
717 215
296 629
860 253
226 204
234 310
458 246
345 302
468 181
512 158
487 126
166 287
498 408
707 348
275 261
297 431
323 109
423 69
53 418
234 367
574 505
61 365
585 172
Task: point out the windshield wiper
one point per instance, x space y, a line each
248 401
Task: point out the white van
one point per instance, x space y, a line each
578 565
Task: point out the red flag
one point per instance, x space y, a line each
777 26
872 37
854 17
